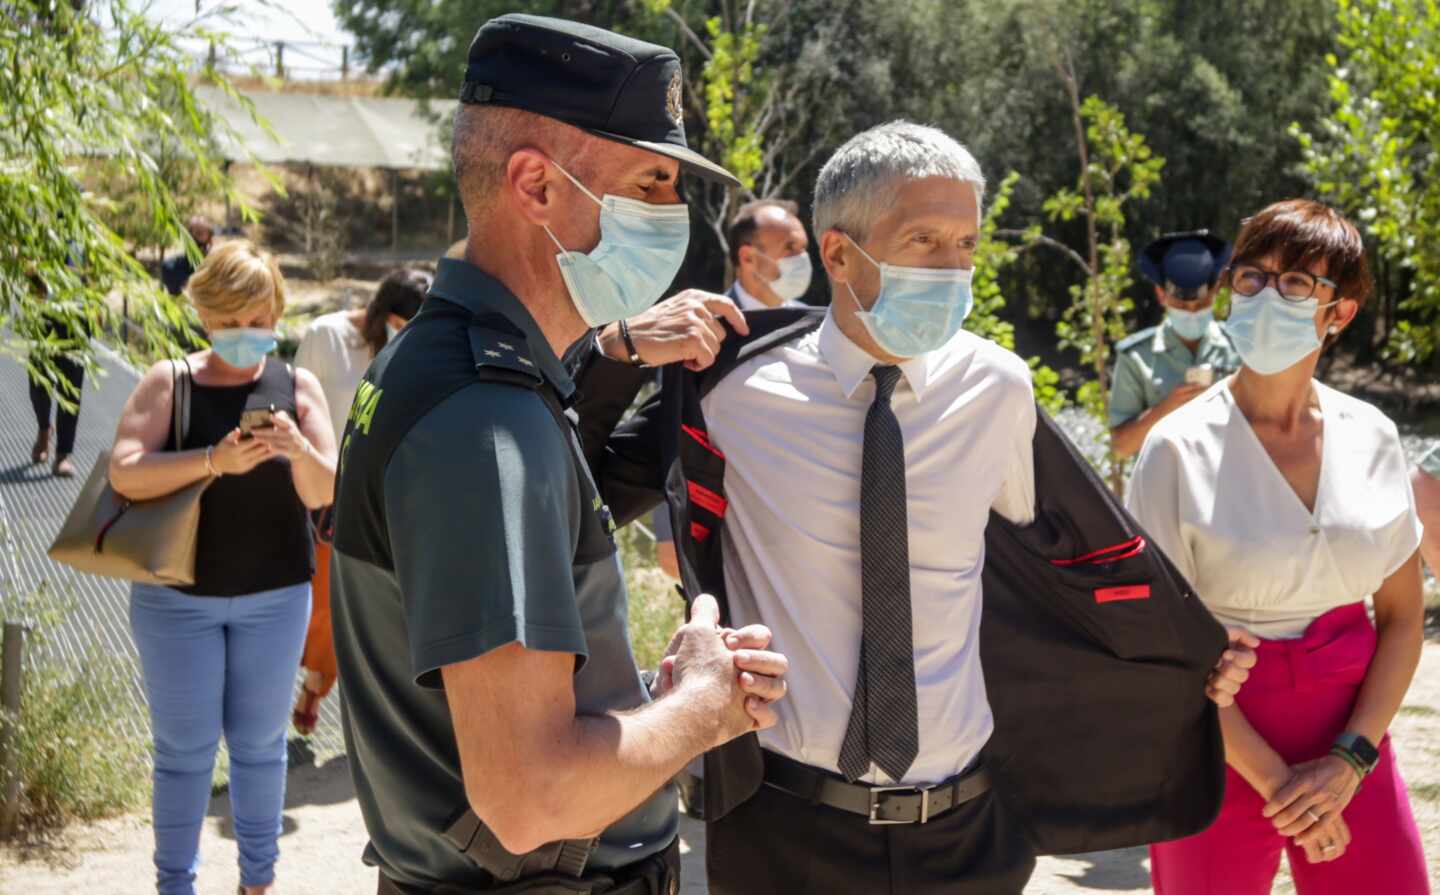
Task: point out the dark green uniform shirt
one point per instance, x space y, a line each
463 523
1151 362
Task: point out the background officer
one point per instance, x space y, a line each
1160 368
496 725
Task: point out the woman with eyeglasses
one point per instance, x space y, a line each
1288 505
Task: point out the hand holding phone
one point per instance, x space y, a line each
256 418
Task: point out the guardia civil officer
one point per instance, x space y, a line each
1160 368
498 730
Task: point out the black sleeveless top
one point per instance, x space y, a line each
254 530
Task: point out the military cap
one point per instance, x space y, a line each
1185 263
608 84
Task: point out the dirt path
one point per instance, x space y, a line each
320 849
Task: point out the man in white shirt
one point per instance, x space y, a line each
792 424
860 463
770 253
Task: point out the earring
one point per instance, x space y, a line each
1334 330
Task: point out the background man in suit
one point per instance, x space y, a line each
770 253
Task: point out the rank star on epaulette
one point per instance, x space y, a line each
502 350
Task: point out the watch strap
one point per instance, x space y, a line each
631 354
1359 750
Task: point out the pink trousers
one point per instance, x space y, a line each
1298 698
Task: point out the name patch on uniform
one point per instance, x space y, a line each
1126 592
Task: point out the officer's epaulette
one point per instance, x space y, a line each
498 350
1135 338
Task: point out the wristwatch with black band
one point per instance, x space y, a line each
1356 751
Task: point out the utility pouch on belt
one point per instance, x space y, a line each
471 837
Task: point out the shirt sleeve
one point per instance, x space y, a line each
307 355
1406 531
1127 392
1154 501
1016 500
483 511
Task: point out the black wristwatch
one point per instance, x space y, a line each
1360 752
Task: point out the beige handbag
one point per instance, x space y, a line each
150 541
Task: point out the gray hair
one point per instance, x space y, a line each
857 185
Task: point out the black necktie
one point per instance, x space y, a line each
883 727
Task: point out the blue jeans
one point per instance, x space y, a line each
214 664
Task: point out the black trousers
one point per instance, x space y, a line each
778 843
66 422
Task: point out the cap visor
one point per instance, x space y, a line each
689 159
692 161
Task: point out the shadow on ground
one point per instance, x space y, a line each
307 782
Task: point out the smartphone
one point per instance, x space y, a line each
256 418
1201 374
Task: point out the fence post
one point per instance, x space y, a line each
12 649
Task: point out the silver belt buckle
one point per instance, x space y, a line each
875 796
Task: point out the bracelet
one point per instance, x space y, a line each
634 356
210 462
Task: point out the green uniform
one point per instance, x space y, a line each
1430 462
1150 363
465 523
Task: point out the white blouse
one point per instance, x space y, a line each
335 351
1210 496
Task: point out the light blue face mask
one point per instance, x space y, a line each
641 249
1270 333
794 277
918 308
1190 325
243 347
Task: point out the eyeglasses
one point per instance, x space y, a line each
1293 285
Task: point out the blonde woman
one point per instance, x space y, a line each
220 656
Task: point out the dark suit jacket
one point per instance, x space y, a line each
1096 651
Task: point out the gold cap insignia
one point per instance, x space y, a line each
672 100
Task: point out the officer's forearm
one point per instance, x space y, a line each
599 770
1126 439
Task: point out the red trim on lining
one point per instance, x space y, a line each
698 531
1127 592
707 499
703 438
1132 547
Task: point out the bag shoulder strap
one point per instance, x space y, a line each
180 378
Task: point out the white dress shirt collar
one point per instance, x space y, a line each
851 364
747 302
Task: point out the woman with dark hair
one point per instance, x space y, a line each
1287 504
338 349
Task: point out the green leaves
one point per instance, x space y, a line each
1377 155
82 106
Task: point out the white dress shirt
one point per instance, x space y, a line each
335 351
1211 497
791 424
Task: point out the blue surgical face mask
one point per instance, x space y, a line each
1190 325
795 272
918 308
243 347
641 249
1270 333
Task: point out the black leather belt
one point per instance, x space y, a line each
883 805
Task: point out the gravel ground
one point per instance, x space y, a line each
323 834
